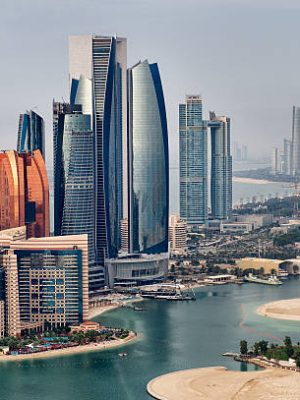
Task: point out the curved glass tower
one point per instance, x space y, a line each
148 161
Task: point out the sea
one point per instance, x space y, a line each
171 336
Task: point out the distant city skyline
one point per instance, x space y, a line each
246 85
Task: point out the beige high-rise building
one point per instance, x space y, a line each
124 235
177 234
46 281
12 308
2 319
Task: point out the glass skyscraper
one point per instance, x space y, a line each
221 167
148 161
75 180
97 67
31 135
193 161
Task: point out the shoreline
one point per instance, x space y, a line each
281 309
87 348
257 181
96 311
214 383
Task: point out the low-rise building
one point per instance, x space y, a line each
236 227
257 220
137 269
220 278
86 326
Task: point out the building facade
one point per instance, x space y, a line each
276 161
287 157
102 61
46 281
221 167
31 133
97 66
193 161
137 269
24 198
148 161
177 234
74 173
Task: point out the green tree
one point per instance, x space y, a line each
288 346
243 347
263 346
256 348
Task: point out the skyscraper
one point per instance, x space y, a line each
98 84
287 156
74 175
275 161
148 161
31 135
221 167
296 141
24 196
193 161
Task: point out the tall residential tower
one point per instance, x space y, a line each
193 161
221 167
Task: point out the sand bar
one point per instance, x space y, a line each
218 383
72 350
239 179
283 309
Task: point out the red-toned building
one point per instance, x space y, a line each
24 192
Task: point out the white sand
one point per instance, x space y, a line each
283 309
217 383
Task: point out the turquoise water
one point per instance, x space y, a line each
172 336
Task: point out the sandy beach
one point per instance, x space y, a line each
72 350
216 383
250 180
283 309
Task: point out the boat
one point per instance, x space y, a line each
122 355
271 280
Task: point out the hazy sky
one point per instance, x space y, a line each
241 55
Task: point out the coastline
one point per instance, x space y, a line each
73 350
282 309
239 179
216 383
96 311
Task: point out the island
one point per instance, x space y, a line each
283 309
217 383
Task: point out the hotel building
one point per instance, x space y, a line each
46 281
